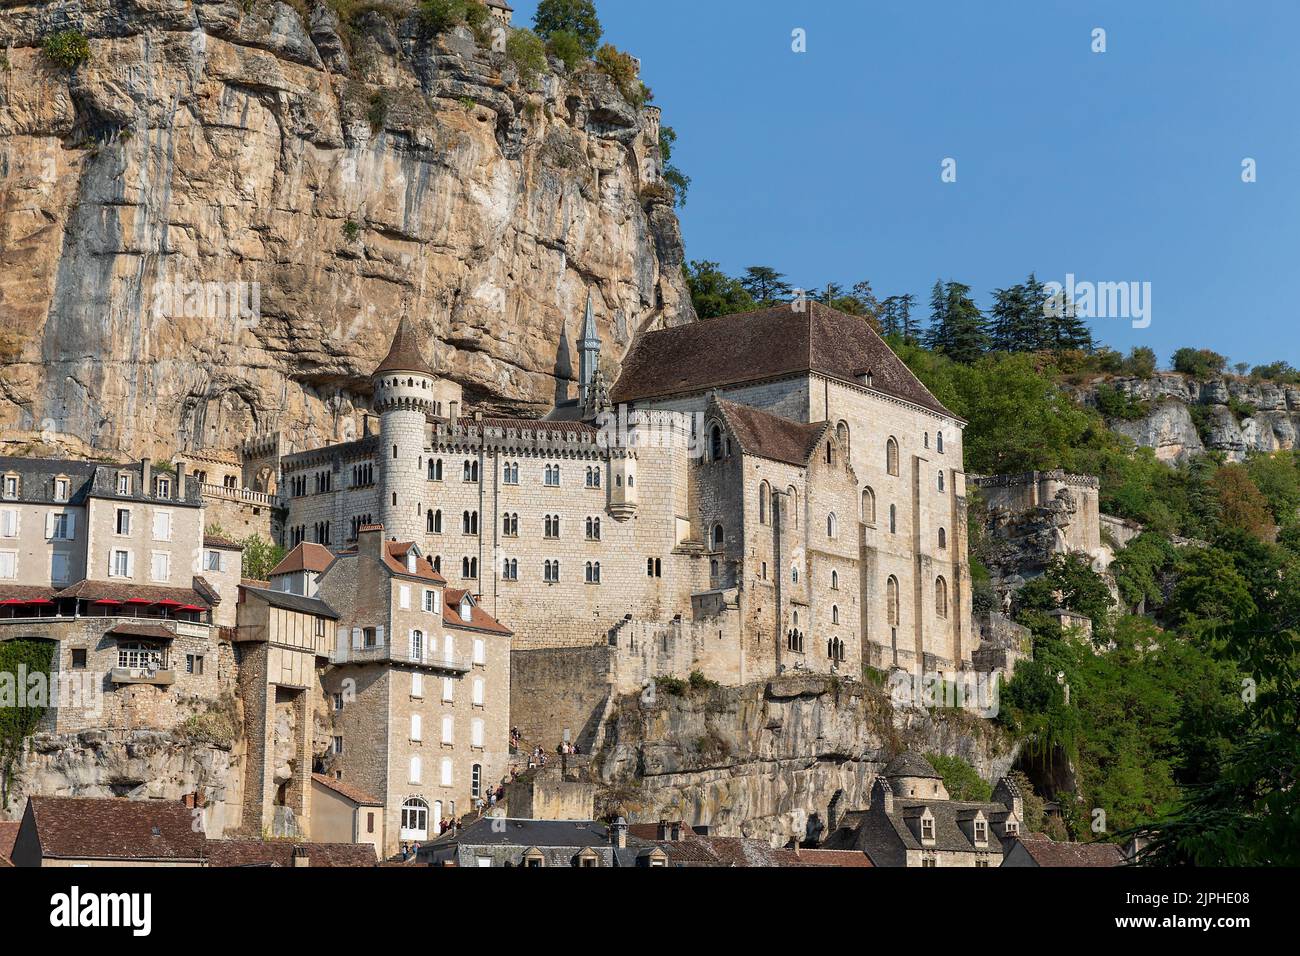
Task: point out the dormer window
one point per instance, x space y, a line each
1012 827
11 486
123 484
164 488
466 611
61 489
927 828
411 561
981 831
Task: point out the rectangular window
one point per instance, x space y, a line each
432 604
60 489
162 525
338 701
447 685
212 561
927 829
448 729
416 770
404 596
476 733
417 685
120 564
160 566
79 658
123 522
123 484
60 527
478 691
480 651
194 664
11 486
416 727
9 523
446 771
338 745
60 567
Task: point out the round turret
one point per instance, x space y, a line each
404 397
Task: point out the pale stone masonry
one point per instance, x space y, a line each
757 492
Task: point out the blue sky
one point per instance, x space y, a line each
1115 166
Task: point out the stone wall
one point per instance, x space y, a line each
557 689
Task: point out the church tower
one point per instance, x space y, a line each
588 355
404 396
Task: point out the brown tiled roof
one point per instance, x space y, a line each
307 556
771 436
24 592
219 541
115 828
832 858
765 344
355 794
1047 852
226 853
395 557
120 591
536 425
404 354
145 629
480 620
8 833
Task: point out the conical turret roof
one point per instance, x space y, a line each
404 354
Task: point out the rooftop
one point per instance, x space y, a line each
115 829
771 436
404 354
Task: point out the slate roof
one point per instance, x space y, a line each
404 354
307 556
355 794
115 829
881 832
293 602
231 853
911 764
36 478
766 344
771 436
528 833
1047 852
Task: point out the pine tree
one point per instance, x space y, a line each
936 335
966 336
906 324
889 322
1007 319
766 285
1035 334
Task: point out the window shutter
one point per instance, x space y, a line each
478 691
356 638
446 688
341 642
379 636
416 727
480 652
448 729
476 733
49 525
72 524
130 564
404 596
449 647
446 771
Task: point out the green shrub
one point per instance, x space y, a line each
700 682
960 779
1114 403
671 685
525 50
574 17
567 48
67 48
377 113
351 229
439 16
622 69
1199 363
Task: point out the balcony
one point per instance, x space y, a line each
388 654
245 495
158 677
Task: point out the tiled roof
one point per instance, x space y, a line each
1047 852
87 590
395 553
766 344
491 831
404 354
8 833
25 592
770 436
115 829
228 853
146 629
307 556
480 620
293 602
219 541
355 794
910 764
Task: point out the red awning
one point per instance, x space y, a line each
168 603
138 601
191 607
12 601
39 601
108 601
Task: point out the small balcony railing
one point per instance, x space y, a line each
387 653
158 676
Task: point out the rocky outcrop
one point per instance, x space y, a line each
1185 417
141 765
210 228
773 760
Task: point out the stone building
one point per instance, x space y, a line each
913 822
107 562
755 493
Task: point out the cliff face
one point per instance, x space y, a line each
770 759
211 228
1187 417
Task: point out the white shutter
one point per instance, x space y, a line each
404 596
379 636
49 525
416 727
417 685
72 525
130 564
448 729
446 771
480 652
437 602
356 638
478 691
341 642
476 733
415 770
448 647
446 688
8 523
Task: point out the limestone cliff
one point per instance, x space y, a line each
1182 417
210 228
773 760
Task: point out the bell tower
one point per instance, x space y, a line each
404 396
588 355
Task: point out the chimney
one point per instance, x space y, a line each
146 486
300 857
180 481
618 834
370 540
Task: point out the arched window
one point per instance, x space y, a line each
940 597
718 537
891 456
793 497
715 442
794 574
939 437
893 519
941 481
842 436
435 469
433 521
763 492
868 506
835 580
891 600
943 538
832 525
835 614
415 819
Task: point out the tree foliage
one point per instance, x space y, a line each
577 18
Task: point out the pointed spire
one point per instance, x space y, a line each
590 337
404 354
